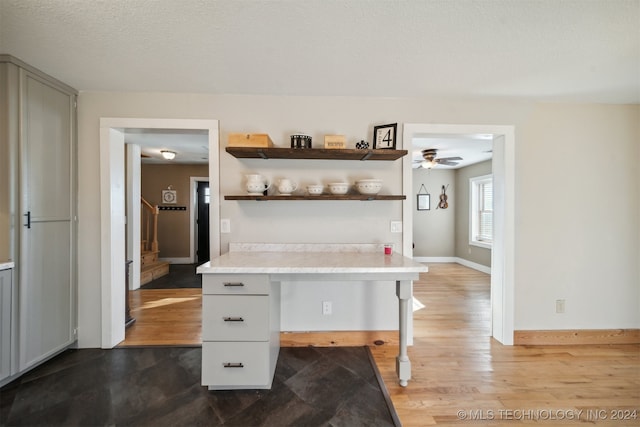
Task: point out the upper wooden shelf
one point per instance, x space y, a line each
314 153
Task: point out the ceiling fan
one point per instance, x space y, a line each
430 160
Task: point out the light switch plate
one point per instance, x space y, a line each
225 226
396 226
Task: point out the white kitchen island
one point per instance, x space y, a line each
241 304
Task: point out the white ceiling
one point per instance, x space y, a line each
550 50
190 145
472 148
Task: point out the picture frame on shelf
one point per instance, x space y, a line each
384 137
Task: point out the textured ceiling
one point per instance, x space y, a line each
557 50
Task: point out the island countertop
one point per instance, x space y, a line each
310 262
6 265
300 264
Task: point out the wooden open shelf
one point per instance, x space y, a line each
362 197
314 153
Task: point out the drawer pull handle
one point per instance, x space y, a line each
233 284
233 319
233 365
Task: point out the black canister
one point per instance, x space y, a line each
300 141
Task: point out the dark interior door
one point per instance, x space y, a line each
202 223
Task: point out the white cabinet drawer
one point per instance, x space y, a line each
236 365
235 284
235 318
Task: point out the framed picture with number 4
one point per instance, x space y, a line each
384 137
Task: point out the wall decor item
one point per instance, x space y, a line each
384 137
443 204
169 196
423 201
362 145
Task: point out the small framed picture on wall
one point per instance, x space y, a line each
169 197
424 202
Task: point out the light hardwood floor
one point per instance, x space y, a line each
461 376
458 367
165 317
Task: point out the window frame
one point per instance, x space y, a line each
474 218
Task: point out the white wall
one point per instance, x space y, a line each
578 217
464 250
434 230
368 222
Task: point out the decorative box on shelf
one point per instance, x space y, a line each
259 140
335 142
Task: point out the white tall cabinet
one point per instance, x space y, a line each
6 289
39 118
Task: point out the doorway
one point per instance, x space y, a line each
113 218
203 198
502 261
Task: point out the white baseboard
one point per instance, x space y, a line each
185 260
435 259
457 260
474 265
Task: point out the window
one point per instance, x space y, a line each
481 214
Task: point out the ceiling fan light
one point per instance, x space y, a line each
168 155
428 164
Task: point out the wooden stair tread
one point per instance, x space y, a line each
154 265
152 271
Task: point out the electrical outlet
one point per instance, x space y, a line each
225 226
396 226
326 307
559 306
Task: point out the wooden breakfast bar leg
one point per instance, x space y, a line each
403 364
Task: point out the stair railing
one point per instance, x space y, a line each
149 226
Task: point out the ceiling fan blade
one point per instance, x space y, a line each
448 163
446 159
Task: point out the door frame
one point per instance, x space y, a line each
502 259
112 211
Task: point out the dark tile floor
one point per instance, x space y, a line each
160 386
180 276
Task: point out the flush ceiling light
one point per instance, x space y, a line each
168 155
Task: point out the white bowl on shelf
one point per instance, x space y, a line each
315 189
339 188
369 186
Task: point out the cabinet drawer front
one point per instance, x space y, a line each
235 284
228 364
235 318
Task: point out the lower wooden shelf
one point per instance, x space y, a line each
362 197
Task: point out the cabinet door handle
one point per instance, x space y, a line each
233 319
28 215
233 365
233 284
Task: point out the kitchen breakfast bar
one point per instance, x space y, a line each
241 303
